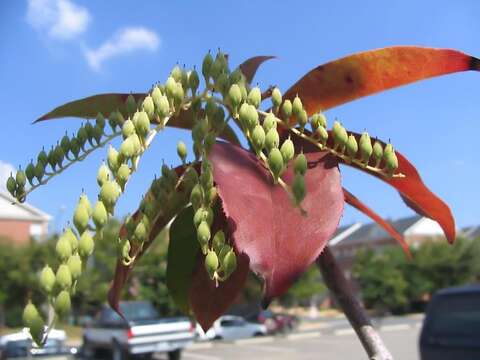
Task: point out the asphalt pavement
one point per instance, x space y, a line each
328 339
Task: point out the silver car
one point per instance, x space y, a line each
230 327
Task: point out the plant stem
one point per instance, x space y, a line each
356 315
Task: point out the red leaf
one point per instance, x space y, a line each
370 72
279 241
208 302
360 206
249 67
411 188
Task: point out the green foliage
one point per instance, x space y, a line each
389 281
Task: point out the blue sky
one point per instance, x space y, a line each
54 51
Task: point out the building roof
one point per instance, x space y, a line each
471 232
371 232
12 210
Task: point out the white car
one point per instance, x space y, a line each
230 327
20 345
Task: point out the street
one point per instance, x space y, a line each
333 339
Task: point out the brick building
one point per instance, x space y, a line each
20 222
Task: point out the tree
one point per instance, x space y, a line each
251 208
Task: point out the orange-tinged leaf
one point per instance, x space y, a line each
250 66
352 200
370 72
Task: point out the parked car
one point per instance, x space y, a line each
275 322
20 345
230 327
143 333
451 329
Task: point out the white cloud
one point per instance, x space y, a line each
5 170
125 41
59 19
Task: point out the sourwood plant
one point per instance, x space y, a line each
269 207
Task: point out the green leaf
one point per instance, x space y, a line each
89 107
182 255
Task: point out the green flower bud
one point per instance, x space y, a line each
207 66
391 160
63 278
255 97
20 178
123 173
62 303
275 162
80 218
287 109
318 120
100 121
196 196
288 150
156 94
128 128
269 122
89 130
30 313
218 120
388 149
112 120
65 144
63 248
212 195
206 179
170 87
298 188
176 73
74 147
377 153
223 252
103 174
124 249
258 138
365 147
272 139
163 107
322 134
72 238
51 158
218 241
209 141
59 155
182 151
190 178
193 81
109 193
179 94
210 107
42 157
142 124
148 106
203 235
85 202
221 83
39 171
340 136
112 159
203 214
211 263
352 147
140 232
81 136
137 146
229 263
74 264
127 148
131 104
11 185
37 330
297 106
99 215
47 279
300 165
250 117
85 245
97 134
302 118
276 98
235 95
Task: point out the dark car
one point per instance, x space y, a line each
275 322
451 329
